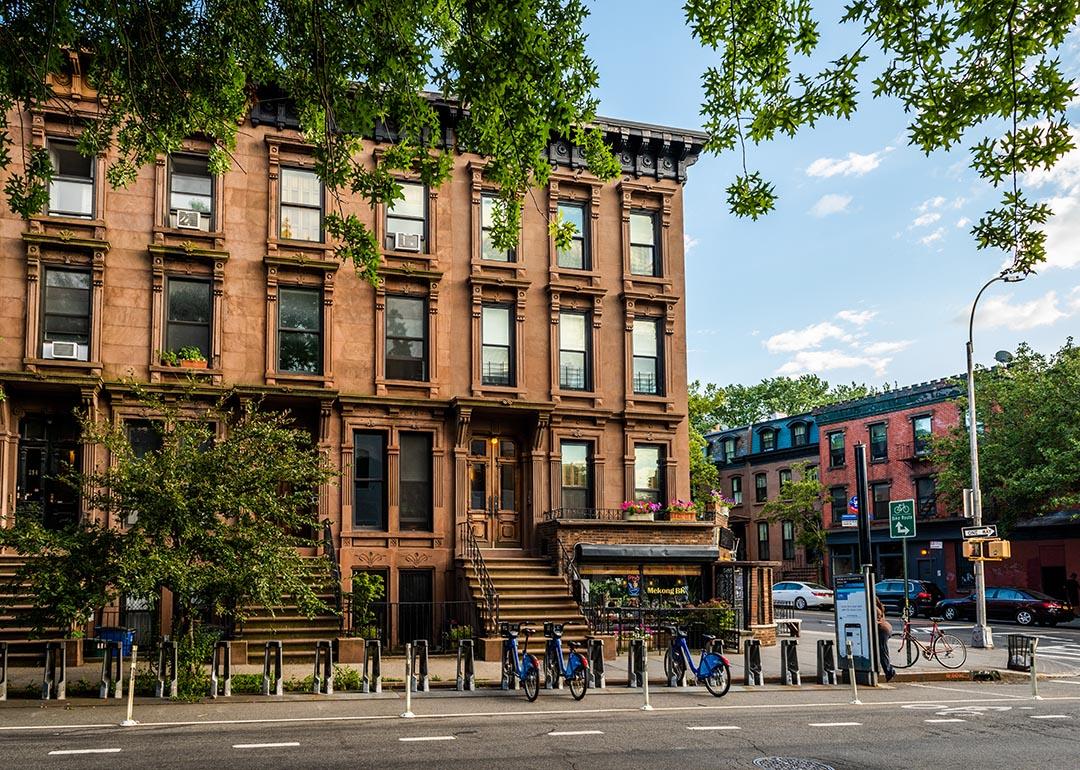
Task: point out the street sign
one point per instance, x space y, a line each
936 545
990 530
901 519
849 520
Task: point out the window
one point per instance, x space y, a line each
71 190
497 353
416 503
761 487
488 250
736 489
576 255
729 449
646 338
880 492
188 315
648 473
576 474
144 436
191 189
406 220
787 532
838 501
574 354
799 435
763 540
836 449
879 442
921 429
301 205
406 338
811 473
643 255
369 480
785 477
65 327
299 330
926 496
768 440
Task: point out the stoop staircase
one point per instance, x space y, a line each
528 590
15 599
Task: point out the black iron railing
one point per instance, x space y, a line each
626 623
489 608
568 569
395 623
330 554
611 514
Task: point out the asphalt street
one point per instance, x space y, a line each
949 725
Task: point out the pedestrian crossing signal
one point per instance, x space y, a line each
999 549
973 549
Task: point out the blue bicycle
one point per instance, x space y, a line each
522 666
576 669
713 669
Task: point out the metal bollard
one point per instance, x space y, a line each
635 663
167 663
1034 676
323 680
789 663
221 668
272 655
826 662
421 678
466 666
752 663
596 662
408 713
54 680
851 673
645 677
372 666
552 667
3 670
112 671
130 720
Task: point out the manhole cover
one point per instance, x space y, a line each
789 763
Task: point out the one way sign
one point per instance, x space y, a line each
990 530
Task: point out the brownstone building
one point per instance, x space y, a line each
474 391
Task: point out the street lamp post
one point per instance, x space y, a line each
981 635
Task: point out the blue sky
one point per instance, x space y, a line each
866 270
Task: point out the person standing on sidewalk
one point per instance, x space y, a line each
884 631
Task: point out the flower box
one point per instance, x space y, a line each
682 515
192 364
637 515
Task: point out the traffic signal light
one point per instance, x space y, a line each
973 549
998 549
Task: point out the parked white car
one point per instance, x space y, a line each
802 595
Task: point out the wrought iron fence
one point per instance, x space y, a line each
143 621
625 623
488 612
611 514
395 623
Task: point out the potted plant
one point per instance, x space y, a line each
639 510
720 504
682 510
191 358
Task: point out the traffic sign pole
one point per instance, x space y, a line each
906 586
866 554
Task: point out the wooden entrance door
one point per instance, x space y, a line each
495 491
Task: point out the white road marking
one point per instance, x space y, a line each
557 733
957 689
835 724
1050 716
265 745
428 738
83 751
942 721
714 727
1064 681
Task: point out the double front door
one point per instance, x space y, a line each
495 491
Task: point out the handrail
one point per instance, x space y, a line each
568 569
490 614
330 552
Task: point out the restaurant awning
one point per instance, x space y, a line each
586 553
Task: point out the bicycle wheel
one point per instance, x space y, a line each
719 680
532 684
906 654
674 665
949 651
579 682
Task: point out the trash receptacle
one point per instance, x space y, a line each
1020 652
126 637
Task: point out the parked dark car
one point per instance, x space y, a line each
1020 604
922 595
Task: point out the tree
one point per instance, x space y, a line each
1029 445
704 403
800 502
169 69
747 404
215 519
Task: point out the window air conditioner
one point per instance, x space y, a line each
406 242
71 351
189 219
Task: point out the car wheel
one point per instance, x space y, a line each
949 613
800 603
1024 617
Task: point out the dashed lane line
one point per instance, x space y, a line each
942 721
62 752
1050 716
280 745
560 733
835 724
713 727
422 738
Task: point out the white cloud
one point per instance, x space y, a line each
884 348
816 361
809 337
963 222
857 317
689 242
931 203
830 204
1001 311
853 165
933 237
925 219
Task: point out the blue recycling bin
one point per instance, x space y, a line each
126 637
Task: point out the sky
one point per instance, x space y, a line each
866 270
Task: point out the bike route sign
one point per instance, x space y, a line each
901 519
